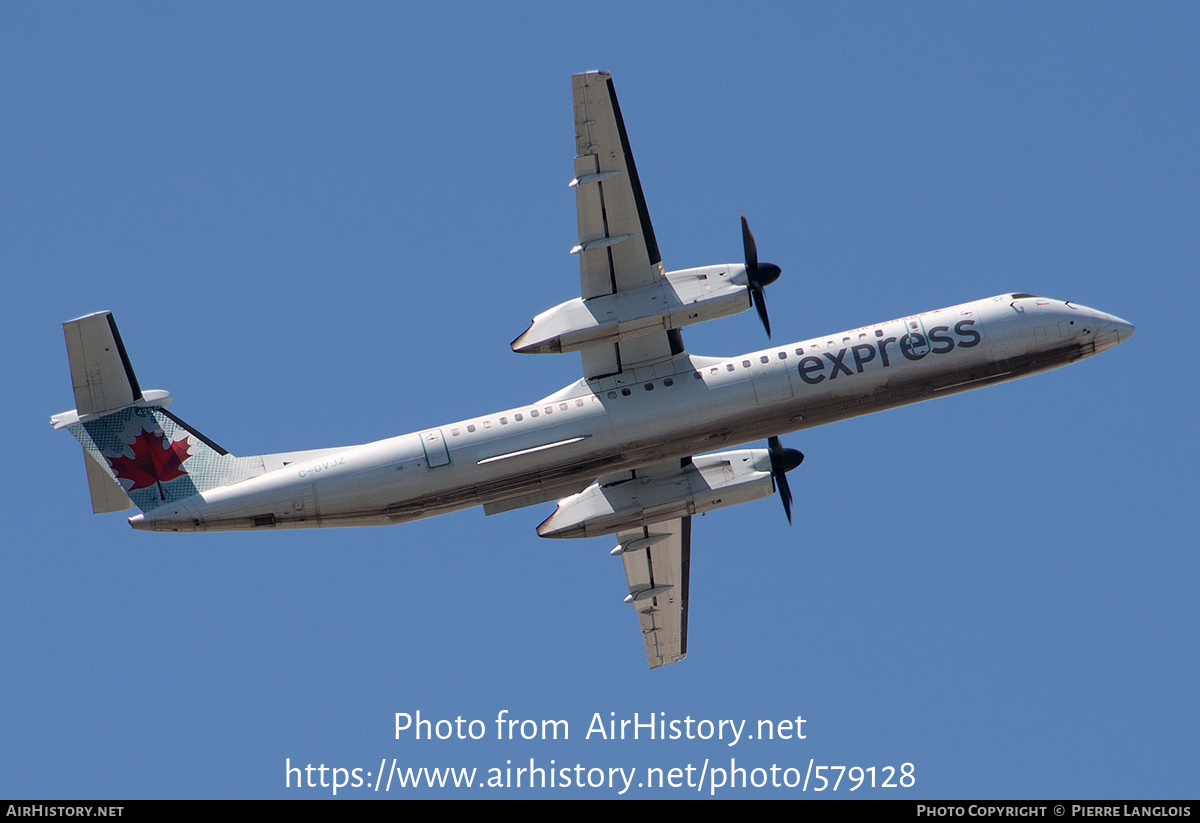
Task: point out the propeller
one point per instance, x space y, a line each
757 275
783 461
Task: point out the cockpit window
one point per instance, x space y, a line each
1022 295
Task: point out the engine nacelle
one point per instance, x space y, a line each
711 481
678 299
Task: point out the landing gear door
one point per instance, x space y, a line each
435 448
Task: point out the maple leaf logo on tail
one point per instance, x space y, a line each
155 460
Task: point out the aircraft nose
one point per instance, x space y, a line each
1112 330
1108 330
1120 329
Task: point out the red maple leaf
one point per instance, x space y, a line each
154 461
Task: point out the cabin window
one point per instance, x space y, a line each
579 403
879 332
455 432
612 395
518 417
563 406
745 364
625 392
729 367
668 382
471 427
487 424
783 355
533 413
503 421
649 387
764 359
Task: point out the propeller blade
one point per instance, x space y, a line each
757 275
785 492
783 461
759 298
749 247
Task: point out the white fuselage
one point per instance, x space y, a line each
555 447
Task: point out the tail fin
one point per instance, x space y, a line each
101 374
137 453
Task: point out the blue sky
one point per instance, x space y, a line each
321 225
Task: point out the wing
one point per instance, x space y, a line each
617 250
618 253
658 586
657 562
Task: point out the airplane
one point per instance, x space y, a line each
634 448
